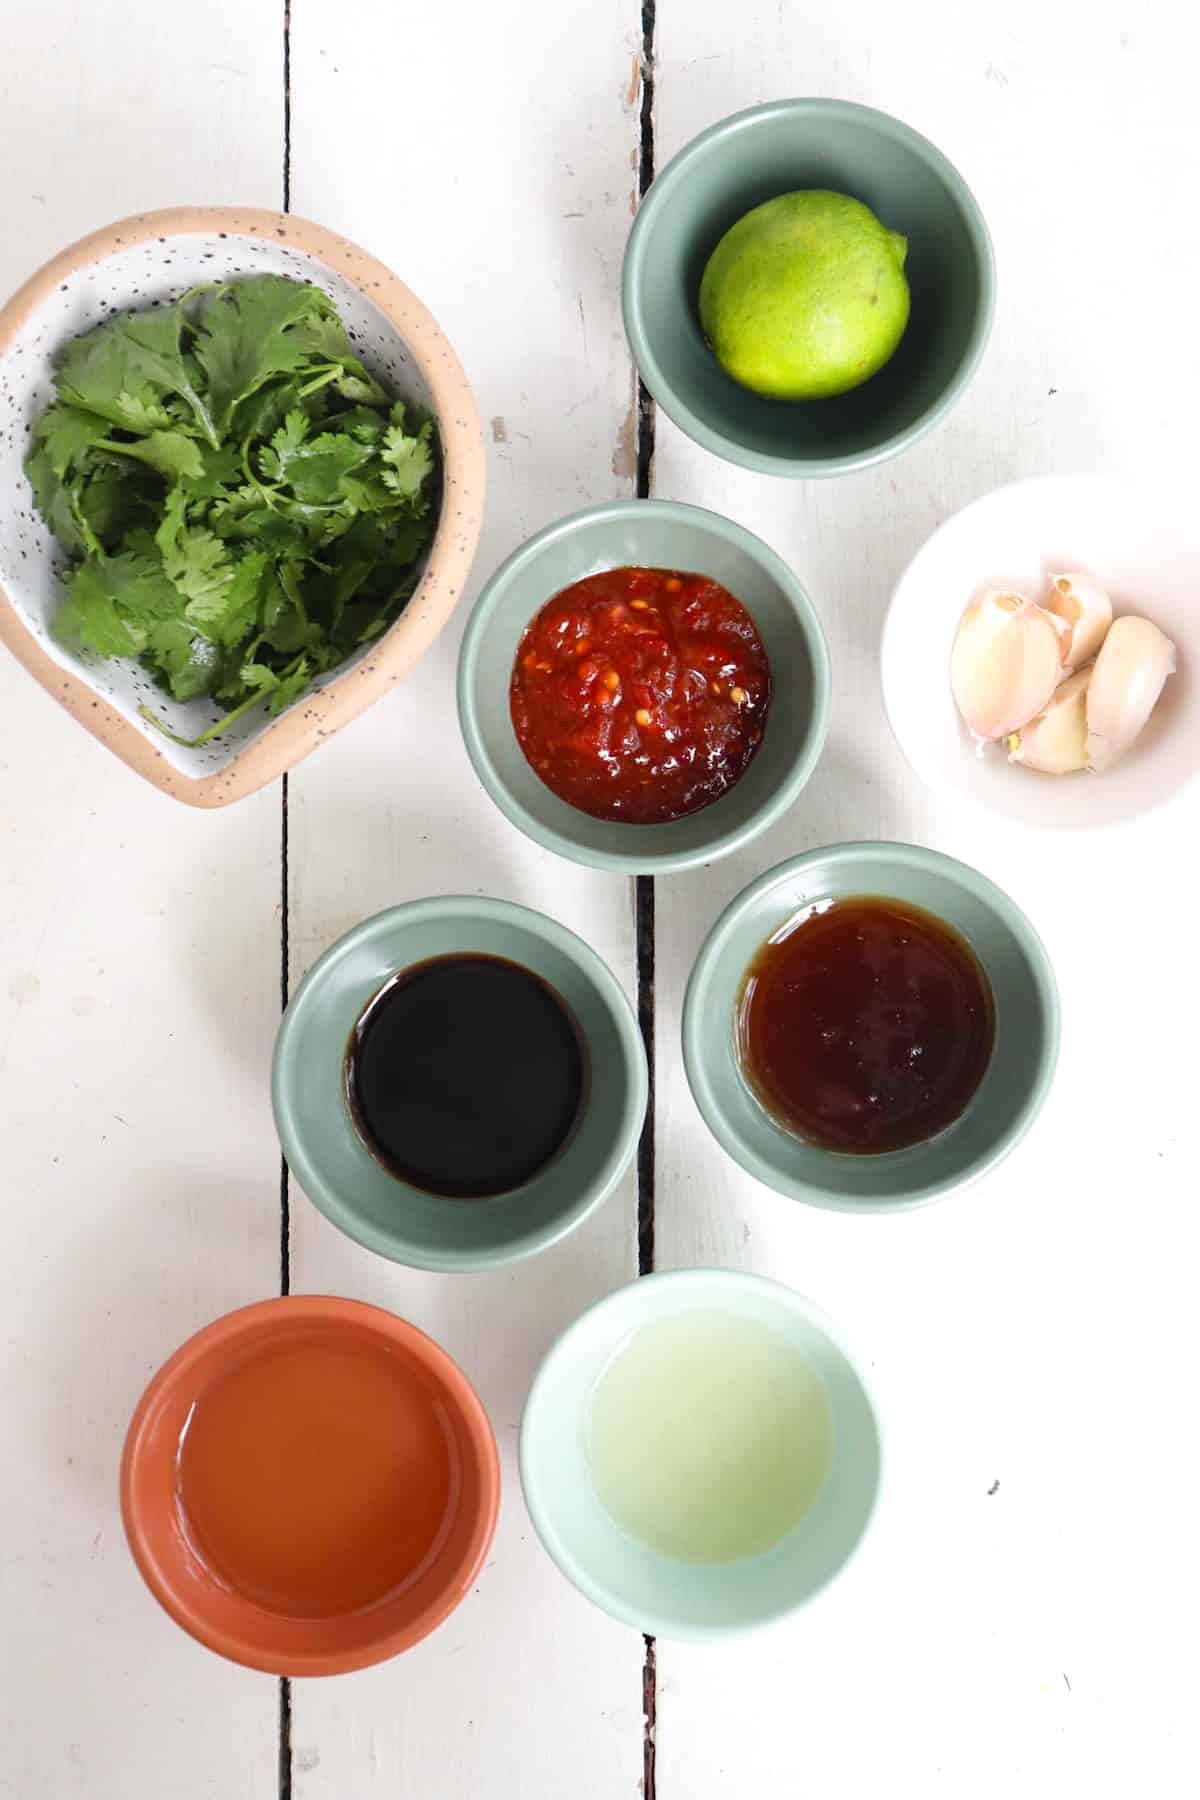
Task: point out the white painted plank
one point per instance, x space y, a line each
138 996
1040 1332
487 158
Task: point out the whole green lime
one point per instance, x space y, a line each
805 296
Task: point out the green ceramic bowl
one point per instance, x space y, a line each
342 1178
1002 1108
653 534
776 149
657 1593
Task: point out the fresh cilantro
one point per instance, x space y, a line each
191 664
112 602
128 368
169 453
242 503
409 460
66 433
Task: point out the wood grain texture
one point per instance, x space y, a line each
492 170
1020 1623
138 997
1013 1626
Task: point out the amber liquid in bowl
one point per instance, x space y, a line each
317 1477
866 1026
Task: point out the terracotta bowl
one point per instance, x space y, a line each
158 256
168 1550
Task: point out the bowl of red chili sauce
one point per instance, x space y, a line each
644 686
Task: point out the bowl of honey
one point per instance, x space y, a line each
870 1026
309 1485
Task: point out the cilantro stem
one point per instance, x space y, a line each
319 381
290 586
214 730
253 481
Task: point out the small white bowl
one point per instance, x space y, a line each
1016 538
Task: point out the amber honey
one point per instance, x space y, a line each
317 1476
866 1026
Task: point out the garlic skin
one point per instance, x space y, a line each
1055 743
1086 612
1005 663
1127 679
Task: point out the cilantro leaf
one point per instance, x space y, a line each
247 334
65 433
316 471
220 474
112 603
275 460
291 686
54 501
110 501
169 452
409 460
190 663
125 370
241 502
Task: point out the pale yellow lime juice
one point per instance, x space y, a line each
709 1437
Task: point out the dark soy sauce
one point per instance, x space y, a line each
866 1027
464 1075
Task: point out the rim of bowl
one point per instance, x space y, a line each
723 843
694 1030
392 1243
637 1297
929 768
660 194
229 1331
304 726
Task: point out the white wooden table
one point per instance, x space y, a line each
1023 1620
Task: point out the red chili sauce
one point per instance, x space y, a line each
641 695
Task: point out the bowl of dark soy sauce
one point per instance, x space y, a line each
871 1026
458 1082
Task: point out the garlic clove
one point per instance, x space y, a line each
1005 663
1127 679
1086 612
1056 741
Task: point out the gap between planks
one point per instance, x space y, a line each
285 1210
644 899
644 888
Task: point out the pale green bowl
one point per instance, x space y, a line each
654 534
776 149
342 1178
1002 1108
661 1594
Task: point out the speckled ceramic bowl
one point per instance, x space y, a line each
158 256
